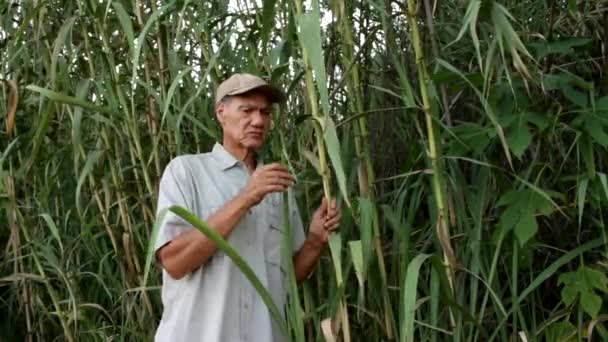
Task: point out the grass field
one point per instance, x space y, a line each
466 139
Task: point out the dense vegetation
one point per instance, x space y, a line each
468 136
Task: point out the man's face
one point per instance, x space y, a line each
245 119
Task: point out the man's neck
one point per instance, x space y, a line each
245 155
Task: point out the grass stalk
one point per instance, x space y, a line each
97 97
320 120
365 171
434 149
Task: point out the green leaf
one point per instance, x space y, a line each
546 274
542 193
519 138
7 152
83 88
58 97
595 128
92 159
602 177
575 96
470 136
174 85
310 36
356 252
568 295
469 23
409 294
335 247
601 104
333 149
366 227
488 109
275 59
511 216
156 15
509 40
591 303
581 196
125 23
563 331
526 228
60 41
294 310
541 204
561 46
552 82
586 150
53 228
268 19
150 252
510 197
584 282
312 159
538 120
596 279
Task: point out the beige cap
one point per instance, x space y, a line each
242 83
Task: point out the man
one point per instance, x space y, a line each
205 296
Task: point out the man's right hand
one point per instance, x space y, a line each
266 179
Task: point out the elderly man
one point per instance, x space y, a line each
205 297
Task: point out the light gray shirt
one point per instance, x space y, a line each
216 303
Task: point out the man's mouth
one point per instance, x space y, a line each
256 134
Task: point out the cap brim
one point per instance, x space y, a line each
274 94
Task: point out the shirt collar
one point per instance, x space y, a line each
226 159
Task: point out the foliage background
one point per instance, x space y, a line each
97 96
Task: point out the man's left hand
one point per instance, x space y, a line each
325 220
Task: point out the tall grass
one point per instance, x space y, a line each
466 141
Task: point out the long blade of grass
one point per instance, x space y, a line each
62 98
408 295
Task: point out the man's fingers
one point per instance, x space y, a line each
331 212
274 188
278 174
332 222
333 218
281 181
323 206
275 167
334 227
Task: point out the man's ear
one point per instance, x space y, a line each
219 112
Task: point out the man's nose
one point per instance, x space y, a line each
257 119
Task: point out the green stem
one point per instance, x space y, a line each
434 149
365 167
319 118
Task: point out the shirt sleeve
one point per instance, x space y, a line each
297 226
174 189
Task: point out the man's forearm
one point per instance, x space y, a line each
306 258
191 249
